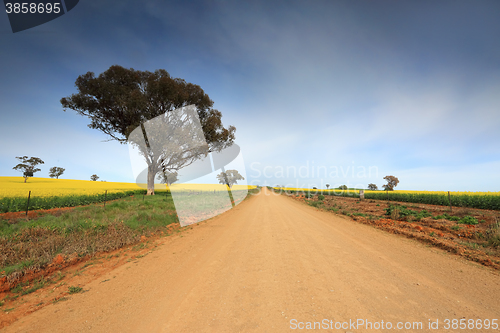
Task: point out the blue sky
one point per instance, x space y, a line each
403 88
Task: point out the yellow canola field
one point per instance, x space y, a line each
49 187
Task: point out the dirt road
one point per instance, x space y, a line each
273 264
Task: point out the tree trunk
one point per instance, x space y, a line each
151 181
25 179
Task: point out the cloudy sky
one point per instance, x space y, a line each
337 92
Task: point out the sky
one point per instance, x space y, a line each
320 92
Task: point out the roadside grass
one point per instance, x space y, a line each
32 244
316 204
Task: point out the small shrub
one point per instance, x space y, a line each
321 197
395 213
468 220
494 241
315 204
74 290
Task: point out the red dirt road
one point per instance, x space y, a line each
269 261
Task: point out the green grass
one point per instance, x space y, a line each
37 285
397 211
154 211
359 214
84 230
315 204
20 288
17 267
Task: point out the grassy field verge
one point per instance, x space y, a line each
33 244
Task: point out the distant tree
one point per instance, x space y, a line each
56 172
315 188
343 187
372 187
120 100
27 166
229 177
168 177
94 177
392 182
327 186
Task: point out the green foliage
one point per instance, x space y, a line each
315 203
84 230
359 214
321 197
27 166
230 177
468 220
445 216
55 172
396 211
74 290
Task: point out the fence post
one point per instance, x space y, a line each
28 205
105 196
449 200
